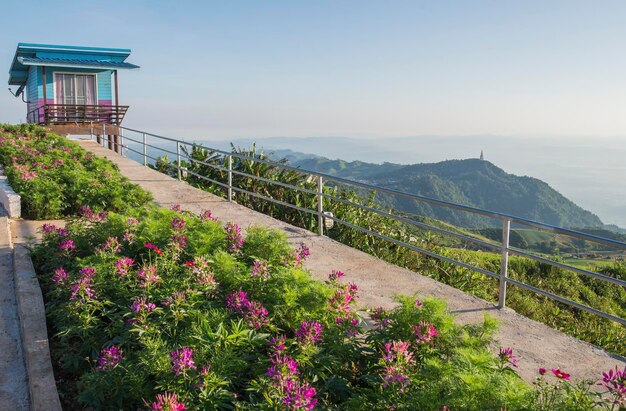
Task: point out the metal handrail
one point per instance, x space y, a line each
504 247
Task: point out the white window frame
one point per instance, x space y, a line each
74 73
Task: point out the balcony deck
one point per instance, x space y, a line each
77 114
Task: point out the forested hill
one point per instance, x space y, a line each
470 182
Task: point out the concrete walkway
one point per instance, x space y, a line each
13 378
536 344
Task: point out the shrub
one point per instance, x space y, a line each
56 177
157 309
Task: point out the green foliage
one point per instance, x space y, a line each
55 177
603 296
470 182
346 366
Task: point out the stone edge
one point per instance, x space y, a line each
31 311
10 200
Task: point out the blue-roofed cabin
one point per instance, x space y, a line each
69 84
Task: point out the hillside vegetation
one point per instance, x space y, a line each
601 295
471 182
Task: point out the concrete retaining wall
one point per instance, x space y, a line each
9 199
32 314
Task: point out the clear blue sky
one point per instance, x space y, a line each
353 68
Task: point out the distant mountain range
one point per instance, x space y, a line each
471 182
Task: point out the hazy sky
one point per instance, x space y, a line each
352 68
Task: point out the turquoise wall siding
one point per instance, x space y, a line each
104 82
32 87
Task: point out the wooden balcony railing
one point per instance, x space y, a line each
77 113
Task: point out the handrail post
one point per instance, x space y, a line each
121 141
320 206
230 178
145 154
178 159
504 262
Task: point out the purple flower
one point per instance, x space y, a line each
260 269
237 301
310 332
425 332
81 288
167 402
418 304
506 358
123 265
256 315
48 229
253 311
90 215
397 363
141 304
178 241
132 222
176 298
207 215
147 275
67 246
234 237
175 207
295 393
178 224
182 360
202 271
60 276
109 358
615 383
335 276
381 317
111 245
278 344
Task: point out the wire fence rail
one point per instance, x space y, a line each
503 248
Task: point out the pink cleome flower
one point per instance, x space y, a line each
67 246
60 276
109 358
253 311
178 224
310 332
425 331
167 402
123 265
506 357
615 383
296 394
147 275
234 237
260 269
182 360
141 304
207 215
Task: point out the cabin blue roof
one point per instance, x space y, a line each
29 54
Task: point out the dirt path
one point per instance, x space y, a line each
537 344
